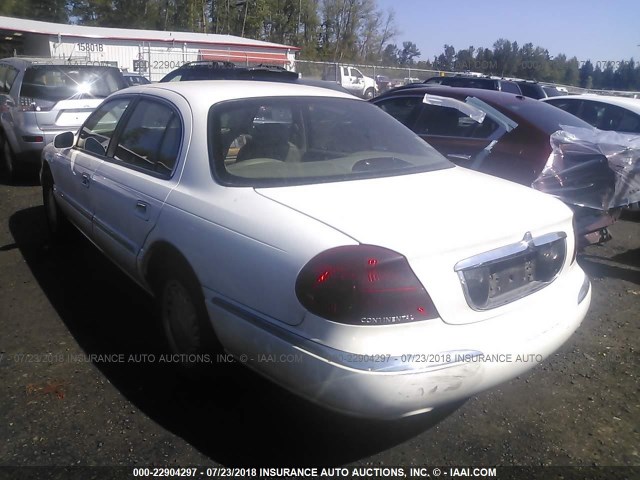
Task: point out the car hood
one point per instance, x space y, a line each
419 214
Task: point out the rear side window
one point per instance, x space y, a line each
68 82
510 88
532 90
98 129
151 138
7 75
484 83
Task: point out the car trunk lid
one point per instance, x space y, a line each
434 219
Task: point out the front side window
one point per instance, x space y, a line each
296 140
450 122
401 108
151 138
620 120
97 131
592 113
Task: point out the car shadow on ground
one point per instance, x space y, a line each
233 416
623 266
23 178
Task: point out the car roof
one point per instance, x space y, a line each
518 107
220 90
217 70
455 92
632 104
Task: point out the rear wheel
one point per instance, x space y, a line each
183 313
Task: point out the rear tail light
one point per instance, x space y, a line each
28 104
363 285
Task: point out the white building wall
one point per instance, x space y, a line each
160 57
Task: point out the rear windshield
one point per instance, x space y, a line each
62 82
279 141
483 83
553 92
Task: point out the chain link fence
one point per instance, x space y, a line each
397 76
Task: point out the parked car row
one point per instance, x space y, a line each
517 86
292 220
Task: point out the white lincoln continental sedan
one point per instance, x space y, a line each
279 221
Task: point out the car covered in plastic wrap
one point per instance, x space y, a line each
320 250
523 140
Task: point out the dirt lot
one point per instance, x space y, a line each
61 407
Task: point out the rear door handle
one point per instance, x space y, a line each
85 180
141 210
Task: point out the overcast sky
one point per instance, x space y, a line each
596 30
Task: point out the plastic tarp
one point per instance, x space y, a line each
592 168
473 112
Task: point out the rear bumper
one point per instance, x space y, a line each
466 360
28 140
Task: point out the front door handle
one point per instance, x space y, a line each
85 180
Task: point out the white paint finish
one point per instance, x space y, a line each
248 245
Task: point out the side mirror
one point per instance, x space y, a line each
63 140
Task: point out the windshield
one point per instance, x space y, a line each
296 140
69 82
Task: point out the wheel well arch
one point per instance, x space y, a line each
160 257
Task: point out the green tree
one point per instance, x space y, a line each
408 53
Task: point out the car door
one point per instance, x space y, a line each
454 134
132 185
352 80
74 170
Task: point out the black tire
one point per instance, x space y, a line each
59 227
369 94
182 313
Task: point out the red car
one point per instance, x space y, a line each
505 135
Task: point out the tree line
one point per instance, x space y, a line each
508 59
349 31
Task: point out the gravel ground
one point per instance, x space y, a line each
60 406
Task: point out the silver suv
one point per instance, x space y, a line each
41 98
